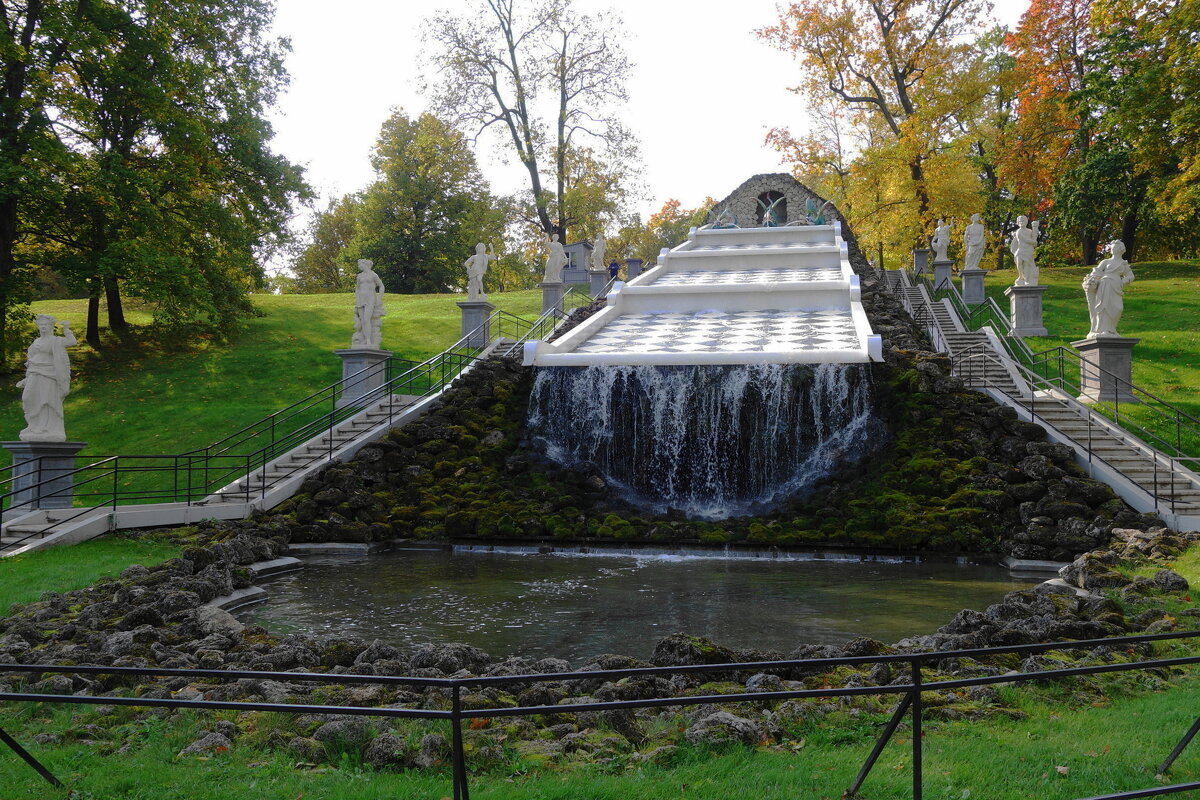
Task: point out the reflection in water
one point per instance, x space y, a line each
573 606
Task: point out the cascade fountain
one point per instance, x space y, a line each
710 441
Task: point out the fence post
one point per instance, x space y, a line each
916 728
461 792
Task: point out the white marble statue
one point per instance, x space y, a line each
47 382
941 241
1104 287
974 242
477 266
1021 246
368 307
556 259
598 253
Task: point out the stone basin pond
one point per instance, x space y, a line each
573 605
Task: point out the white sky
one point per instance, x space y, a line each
703 90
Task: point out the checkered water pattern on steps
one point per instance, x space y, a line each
760 246
725 332
702 277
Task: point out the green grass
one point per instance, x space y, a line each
1103 748
24 578
152 400
1160 309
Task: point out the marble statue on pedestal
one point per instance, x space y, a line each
368 307
1021 246
47 382
598 262
556 259
477 266
1104 287
974 242
941 241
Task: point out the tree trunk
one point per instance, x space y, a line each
116 311
918 176
4 367
8 239
1129 225
1087 241
1001 247
92 334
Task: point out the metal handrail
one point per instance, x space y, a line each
909 695
1173 467
1050 365
208 469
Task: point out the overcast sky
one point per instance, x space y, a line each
703 90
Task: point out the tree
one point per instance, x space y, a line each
1144 92
428 207
551 79
37 35
325 263
666 227
162 184
1055 122
908 74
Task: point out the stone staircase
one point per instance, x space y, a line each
1144 466
260 489
1146 478
315 451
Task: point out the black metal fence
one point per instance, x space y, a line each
909 696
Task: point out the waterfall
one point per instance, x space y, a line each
711 441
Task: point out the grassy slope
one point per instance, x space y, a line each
23 579
1160 309
151 401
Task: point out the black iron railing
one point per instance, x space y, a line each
1148 416
1172 473
248 462
909 702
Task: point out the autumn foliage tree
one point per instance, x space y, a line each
906 75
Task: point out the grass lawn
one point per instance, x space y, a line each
24 578
1162 307
1061 752
151 400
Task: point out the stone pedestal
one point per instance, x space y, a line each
942 272
1025 310
360 390
633 268
45 463
972 286
599 279
1106 370
920 260
475 315
552 296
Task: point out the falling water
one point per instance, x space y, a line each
711 441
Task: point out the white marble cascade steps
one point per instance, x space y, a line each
730 296
1147 479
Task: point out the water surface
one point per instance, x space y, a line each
572 606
